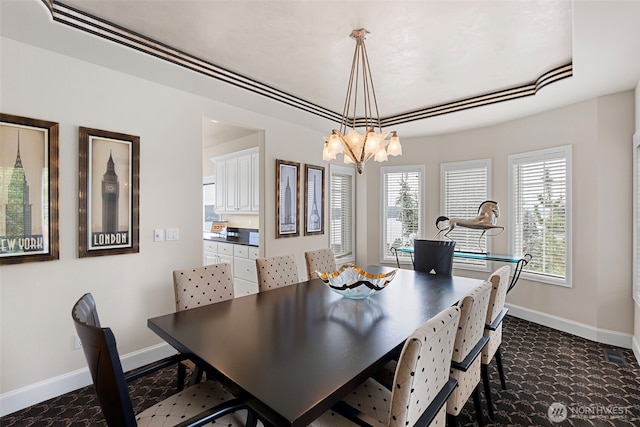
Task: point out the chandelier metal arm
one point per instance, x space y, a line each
373 89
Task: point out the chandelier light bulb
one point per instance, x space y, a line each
327 155
381 155
335 144
372 142
394 148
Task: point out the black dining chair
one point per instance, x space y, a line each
200 404
433 256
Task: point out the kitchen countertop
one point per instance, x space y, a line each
222 240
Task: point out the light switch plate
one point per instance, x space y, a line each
173 234
158 235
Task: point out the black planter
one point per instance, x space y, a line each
433 255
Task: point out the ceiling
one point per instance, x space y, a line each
423 54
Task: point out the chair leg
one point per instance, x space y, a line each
487 388
252 420
182 373
452 421
196 376
477 406
500 371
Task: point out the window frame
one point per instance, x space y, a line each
636 218
342 170
384 170
564 151
462 165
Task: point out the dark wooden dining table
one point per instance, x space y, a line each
293 352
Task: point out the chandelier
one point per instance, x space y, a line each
358 147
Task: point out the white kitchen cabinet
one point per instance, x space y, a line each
237 189
245 278
210 255
221 185
255 181
242 260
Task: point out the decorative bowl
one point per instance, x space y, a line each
356 283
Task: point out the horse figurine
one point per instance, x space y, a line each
488 214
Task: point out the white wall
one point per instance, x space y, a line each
36 298
600 132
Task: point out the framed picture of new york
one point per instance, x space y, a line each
108 193
28 190
287 198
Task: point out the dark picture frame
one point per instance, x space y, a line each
108 193
313 200
28 190
287 203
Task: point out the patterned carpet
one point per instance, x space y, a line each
544 368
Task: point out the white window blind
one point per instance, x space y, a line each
402 188
636 217
342 204
465 185
540 188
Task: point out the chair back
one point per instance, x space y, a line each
99 346
322 260
433 255
423 367
276 272
202 285
499 285
473 311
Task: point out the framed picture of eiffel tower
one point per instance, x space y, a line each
313 200
28 190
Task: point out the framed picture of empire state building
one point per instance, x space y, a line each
287 198
28 190
108 193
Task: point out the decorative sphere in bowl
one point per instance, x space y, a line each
356 283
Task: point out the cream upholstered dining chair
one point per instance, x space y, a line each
493 329
421 383
204 403
322 260
195 287
202 285
276 271
465 361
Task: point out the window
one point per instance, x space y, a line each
636 217
465 185
540 207
342 208
402 194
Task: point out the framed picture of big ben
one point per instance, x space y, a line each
28 190
108 193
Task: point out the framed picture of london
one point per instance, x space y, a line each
108 193
28 190
313 200
287 198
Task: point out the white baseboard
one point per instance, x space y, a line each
592 333
24 397
636 349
